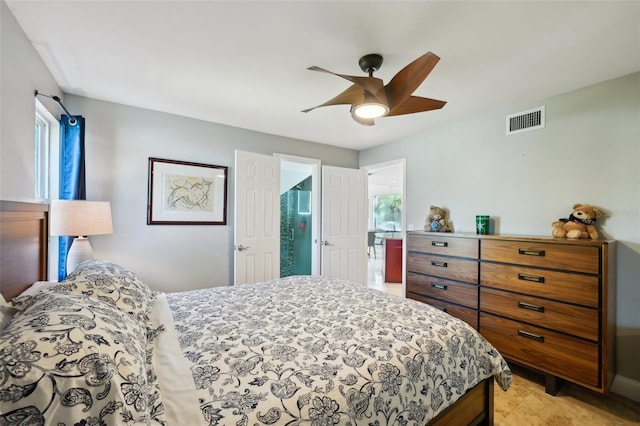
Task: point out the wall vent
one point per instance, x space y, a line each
526 120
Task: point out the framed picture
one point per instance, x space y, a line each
184 193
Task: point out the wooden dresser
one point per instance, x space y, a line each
442 270
544 303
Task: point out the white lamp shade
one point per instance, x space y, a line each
80 218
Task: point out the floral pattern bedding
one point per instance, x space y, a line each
101 348
319 351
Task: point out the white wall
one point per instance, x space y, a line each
589 152
21 73
120 139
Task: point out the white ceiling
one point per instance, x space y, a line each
244 63
386 176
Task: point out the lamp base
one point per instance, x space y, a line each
80 251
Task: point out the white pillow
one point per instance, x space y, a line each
73 359
6 312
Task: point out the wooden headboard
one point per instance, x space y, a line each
24 230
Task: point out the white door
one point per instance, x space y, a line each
344 224
257 218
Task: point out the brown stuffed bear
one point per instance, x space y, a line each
580 223
437 220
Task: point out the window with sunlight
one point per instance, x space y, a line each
387 213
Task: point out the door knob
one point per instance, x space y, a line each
242 248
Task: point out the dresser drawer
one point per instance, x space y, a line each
571 257
445 246
446 290
553 353
470 316
445 267
573 288
574 320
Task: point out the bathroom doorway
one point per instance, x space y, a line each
299 216
296 229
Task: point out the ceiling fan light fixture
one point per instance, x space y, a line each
370 110
370 98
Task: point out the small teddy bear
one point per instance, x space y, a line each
437 220
580 223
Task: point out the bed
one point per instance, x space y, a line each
102 348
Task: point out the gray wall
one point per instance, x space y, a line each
589 152
119 141
21 73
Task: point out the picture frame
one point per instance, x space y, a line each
186 193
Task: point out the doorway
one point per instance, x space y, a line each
296 229
386 221
340 205
299 215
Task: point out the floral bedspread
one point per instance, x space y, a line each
312 350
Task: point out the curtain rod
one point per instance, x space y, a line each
72 120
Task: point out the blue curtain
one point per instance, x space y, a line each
72 177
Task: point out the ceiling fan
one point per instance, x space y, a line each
370 98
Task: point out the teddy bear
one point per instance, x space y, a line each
580 224
437 220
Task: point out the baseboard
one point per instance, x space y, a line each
626 387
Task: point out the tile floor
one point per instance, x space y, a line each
376 279
526 403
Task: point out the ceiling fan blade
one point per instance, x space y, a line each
416 104
373 85
407 80
353 95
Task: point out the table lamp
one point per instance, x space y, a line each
79 219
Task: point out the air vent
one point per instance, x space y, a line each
526 120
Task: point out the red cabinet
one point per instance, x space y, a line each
393 260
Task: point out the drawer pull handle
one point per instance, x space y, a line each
530 307
442 308
531 336
532 278
439 243
439 286
531 252
439 264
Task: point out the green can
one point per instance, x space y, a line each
482 224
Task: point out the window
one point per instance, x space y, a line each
41 155
47 167
304 202
387 212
